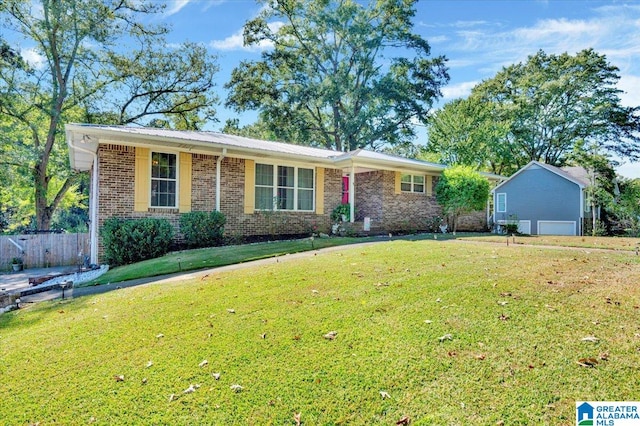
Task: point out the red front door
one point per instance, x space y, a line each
345 189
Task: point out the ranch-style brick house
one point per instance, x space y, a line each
263 188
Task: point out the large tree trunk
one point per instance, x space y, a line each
43 211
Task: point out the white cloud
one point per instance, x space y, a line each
175 6
236 41
630 85
33 58
455 91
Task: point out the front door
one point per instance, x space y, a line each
345 189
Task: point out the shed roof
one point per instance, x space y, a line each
577 175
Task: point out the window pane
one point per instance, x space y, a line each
501 202
405 187
286 176
405 179
264 174
285 199
305 199
264 198
305 178
418 188
418 179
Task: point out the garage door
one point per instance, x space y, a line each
556 227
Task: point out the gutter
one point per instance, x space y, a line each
218 173
93 202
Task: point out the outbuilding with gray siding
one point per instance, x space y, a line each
542 200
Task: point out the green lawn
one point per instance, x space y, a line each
608 243
454 333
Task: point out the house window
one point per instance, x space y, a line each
501 202
284 188
412 183
163 179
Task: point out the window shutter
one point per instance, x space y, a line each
184 203
142 180
319 190
429 184
249 186
397 186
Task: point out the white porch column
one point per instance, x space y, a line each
352 195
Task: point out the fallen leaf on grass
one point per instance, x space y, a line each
384 395
590 339
158 336
445 337
203 363
315 291
144 381
502 302
331 335
587 362
428 321
404 421
231 311
504 317
191 389
505 294
119 378
296 418
172 397
452 353
480 357
216 376
263 335
604 356
149 364
236 388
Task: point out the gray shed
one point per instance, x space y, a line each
542 200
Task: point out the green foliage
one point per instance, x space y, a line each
461 190
538 110
132 240
202 229
339 211
332 79
86 76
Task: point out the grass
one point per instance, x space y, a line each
513 362
607 243
190 260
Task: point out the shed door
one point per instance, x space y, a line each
556 227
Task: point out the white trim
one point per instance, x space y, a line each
295 187
572 222
413 183
496 207
176 203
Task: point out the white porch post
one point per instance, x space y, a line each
218 175
352 195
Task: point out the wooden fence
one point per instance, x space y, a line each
44 250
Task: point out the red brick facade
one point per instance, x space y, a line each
375 198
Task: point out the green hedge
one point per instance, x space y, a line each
132 240
202 229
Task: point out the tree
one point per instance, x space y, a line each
84 76
340 75
547 105
461 190
465 132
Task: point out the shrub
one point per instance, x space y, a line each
202 229
340 211
132 240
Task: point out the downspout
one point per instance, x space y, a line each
582 206
93 202
352 195
218 174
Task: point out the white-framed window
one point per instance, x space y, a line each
412 183
501 202
280 187
164 179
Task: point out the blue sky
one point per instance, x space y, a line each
478 38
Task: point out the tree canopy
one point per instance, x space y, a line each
542 109
461 190
83 74
331 79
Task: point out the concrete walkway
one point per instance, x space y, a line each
13 281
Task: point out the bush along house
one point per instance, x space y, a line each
265 189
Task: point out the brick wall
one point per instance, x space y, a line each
116 180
